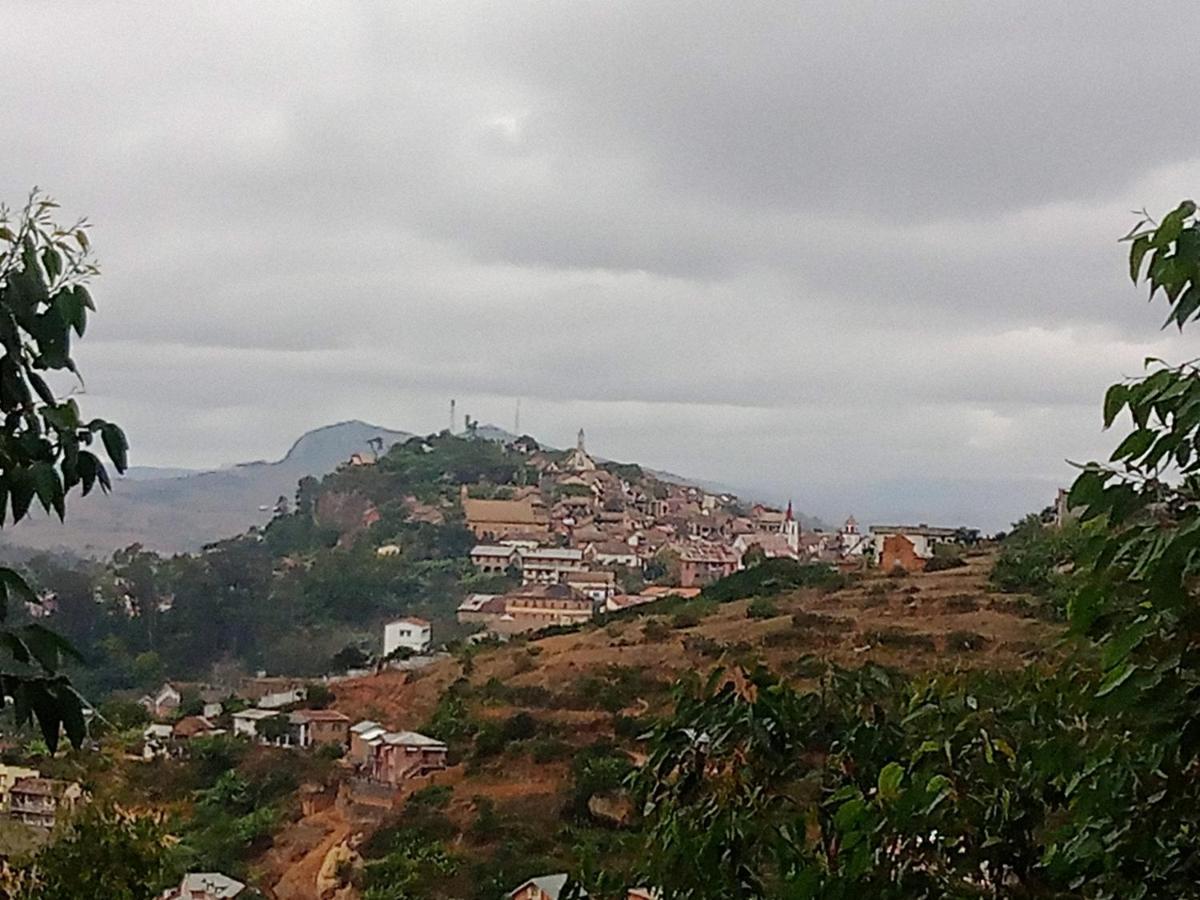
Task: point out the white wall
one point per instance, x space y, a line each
406 634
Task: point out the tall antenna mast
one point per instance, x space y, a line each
517 419
452 416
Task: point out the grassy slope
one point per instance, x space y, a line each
913 623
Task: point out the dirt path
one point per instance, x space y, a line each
293 864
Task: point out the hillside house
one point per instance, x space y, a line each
409 633
361 747
537 606
480 608
247 722
38 801
205 886
156 740
701 564
548 565
493 559
908 547
543 887
164 703
613 553
773 545
599 586
192 727
316 727
9 775
403 755
900 552
493 520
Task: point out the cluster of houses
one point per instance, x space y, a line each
374 752
567 538
242 710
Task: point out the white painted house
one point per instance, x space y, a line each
409 633
246 722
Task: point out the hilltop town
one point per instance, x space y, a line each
511 543
588 538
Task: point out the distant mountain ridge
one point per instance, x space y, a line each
174 513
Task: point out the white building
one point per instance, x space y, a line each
205 886
851 542
247 721
924 538
280 699
409 633
600 586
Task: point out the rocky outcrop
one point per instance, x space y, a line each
612 808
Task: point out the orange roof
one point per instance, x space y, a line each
508 511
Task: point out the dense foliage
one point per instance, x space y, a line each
305 596
45 443
1076 781
773 576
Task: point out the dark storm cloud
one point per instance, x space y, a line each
770 244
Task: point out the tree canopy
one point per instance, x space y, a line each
47 448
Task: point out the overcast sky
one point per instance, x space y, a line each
862 254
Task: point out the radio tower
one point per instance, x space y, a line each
452 416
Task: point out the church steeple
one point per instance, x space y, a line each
578 459
791 529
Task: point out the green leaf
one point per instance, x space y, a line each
1115 679
890 779
1134 445
48 487
1114 401
13 585
52 262
71 711
115 445
47 647
1137 252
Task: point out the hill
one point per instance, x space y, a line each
174 513
541 727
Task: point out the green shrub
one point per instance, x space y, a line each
771 577
1033 556
434 796
761 608
940 563
685 618
703 645
655 631
548 749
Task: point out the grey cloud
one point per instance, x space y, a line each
767 244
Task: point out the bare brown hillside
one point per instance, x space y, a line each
945 619
929 621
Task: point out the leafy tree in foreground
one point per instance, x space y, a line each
105 852
1072 781
45 443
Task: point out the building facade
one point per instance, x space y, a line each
409 633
